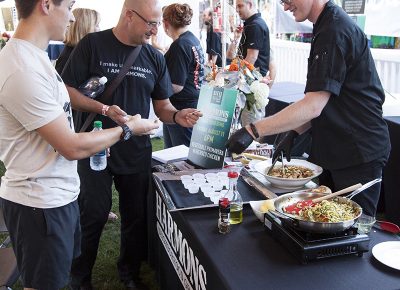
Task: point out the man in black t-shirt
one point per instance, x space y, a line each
254 44
213 41
342 105
103 54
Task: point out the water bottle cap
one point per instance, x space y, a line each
233 174
103 80
97 124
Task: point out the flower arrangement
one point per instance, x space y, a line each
255 92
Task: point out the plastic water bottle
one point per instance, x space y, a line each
99 160
93 86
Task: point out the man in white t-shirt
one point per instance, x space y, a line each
39 190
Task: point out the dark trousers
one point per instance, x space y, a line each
95 201
340 178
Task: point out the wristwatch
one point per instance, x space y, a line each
126 132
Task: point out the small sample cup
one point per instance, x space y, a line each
193 188
365 223
198 175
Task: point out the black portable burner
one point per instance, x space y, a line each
314 246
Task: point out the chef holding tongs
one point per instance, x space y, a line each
342 105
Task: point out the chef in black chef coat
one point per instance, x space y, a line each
342 105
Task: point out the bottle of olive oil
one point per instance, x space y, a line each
235 199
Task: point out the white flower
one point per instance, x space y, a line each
261 93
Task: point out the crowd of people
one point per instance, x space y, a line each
62 205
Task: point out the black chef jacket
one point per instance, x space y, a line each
351 129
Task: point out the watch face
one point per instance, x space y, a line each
127 132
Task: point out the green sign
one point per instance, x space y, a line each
207 145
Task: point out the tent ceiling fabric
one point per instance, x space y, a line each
382 18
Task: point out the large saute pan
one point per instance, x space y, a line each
308 226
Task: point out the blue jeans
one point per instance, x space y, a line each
175 135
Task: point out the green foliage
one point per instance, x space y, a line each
158 143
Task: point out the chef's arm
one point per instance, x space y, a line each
301 112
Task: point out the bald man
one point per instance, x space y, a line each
104 53
254 43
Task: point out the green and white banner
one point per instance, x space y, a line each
207 145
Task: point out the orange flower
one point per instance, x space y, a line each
235 65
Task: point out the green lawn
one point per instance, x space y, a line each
105 274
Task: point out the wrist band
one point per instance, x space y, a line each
104 110
254 130
174 116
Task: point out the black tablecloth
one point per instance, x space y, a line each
391 175
249 258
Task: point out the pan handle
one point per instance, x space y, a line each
344 190
286 219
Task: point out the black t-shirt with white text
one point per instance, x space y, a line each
185 61
102 54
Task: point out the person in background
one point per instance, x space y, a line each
86 21
254 45
185 61
214 44
161 40
269 79
342 105
103 53
38 146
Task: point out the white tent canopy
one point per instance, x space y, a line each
382 18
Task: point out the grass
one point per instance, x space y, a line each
105 274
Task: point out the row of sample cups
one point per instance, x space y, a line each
211 184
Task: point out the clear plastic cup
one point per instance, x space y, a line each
198 175
186 177
222 174
365 223
217 185
187 183
193 188
211 175
199 181
207 189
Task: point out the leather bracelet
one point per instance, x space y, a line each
104 110
254 130
174 116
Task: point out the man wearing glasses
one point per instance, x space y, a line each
103 54
342 105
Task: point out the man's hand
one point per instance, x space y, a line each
188 117
285 146
116 114
141 126
239 141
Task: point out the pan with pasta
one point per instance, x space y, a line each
328 216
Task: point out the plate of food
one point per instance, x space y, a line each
291 175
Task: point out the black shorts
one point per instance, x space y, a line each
44 241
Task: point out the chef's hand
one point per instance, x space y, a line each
239 141
285 145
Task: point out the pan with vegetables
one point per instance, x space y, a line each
327 216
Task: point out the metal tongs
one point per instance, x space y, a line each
274 162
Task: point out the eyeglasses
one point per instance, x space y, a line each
150 24
287 2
